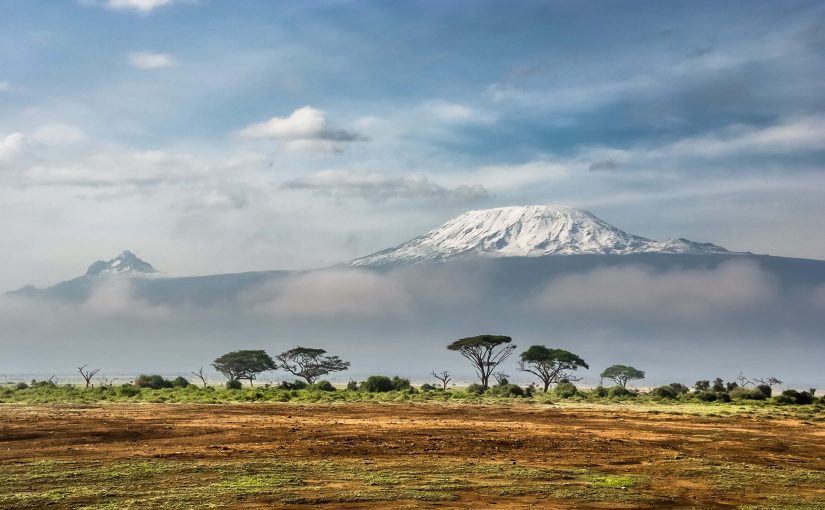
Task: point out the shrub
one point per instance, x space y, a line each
565 389
795 397
352 386
234 384
400 384
600 391
383 384
377 384
506 390
294 385
427 387
475 389
765 390
127 390
180 382
679 388
706 396
619 391
723 397
747 394
153 381
322 385
664 392
21 386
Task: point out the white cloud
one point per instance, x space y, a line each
59 135
5 86
381 186
149 61
143 6
11 147
306 128
446 111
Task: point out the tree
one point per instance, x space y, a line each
443 377
550 365
88 375
621 374
485 352
247 365
199 375
309 363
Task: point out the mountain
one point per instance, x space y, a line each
527 231
126 262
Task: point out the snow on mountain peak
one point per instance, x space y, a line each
126 262
527 231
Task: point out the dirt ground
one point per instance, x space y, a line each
405 455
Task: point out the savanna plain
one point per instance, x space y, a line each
409 451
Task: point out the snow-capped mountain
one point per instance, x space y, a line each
126 262
527 231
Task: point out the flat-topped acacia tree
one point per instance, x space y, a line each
309 363
550 365
621 374
485 352
245 364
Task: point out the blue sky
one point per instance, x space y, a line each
212 136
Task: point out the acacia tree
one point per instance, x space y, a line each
550 365
485 352
443 377
246 365
621 374
309 363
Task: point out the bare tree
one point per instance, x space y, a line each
442 376
88 374
199 375
501 378
769 381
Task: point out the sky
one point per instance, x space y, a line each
212 136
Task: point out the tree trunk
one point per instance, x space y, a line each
546 385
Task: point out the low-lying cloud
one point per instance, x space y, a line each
733 287
306 128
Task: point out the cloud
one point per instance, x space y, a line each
641 291
446 111
59 135
603 164
332 293
150 61
11 147
380 186
304 129
5 86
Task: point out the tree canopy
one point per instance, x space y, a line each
621 374
550 365
247 365
309 363
485 352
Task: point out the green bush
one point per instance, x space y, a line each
427 387
180 382
383 384
234 385
475 389
619 391
322 386
21 386
127 390
765 390
600 391
679 388
152 381
665 392
506 390
747 394
352 385
565 389
795 397
706 396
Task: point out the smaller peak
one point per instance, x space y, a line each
125 262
